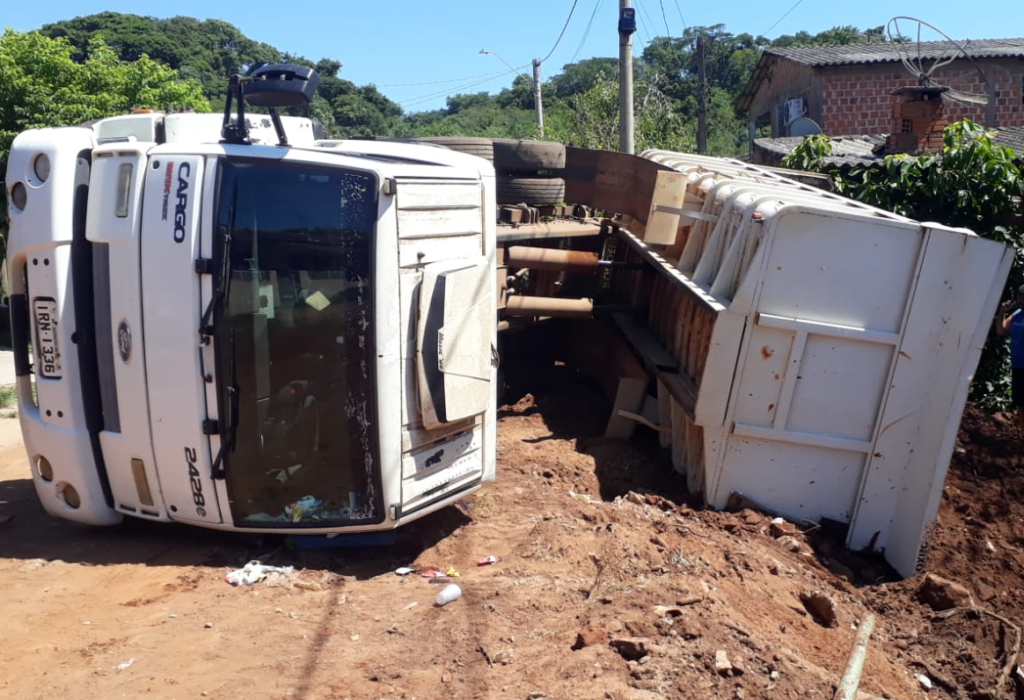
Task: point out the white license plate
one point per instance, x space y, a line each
47 349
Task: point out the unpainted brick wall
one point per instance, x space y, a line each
859 100
848 100
787 80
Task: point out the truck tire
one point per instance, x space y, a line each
530 190
511 154
484 148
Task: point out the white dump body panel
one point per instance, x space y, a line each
843 347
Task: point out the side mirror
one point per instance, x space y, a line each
281 85
277 85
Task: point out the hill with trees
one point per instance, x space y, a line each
580 102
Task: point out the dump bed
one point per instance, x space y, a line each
812 354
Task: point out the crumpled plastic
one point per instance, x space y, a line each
303 509
254 572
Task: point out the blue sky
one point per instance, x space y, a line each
418 52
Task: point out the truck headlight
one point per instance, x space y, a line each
45 470
19 195
41 167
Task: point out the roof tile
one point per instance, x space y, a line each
885 52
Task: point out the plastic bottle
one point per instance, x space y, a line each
449 593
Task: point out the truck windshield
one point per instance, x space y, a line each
294 333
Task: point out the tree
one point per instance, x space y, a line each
671 62
210 51
836 36
593 120
42 85
578 78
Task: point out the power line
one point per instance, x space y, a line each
449 80
586 33
643 27
413 101
668 32
652 27
795 5
680 15
562 33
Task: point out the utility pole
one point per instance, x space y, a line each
538 102
702 96
627 25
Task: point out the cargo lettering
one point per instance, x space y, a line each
184 170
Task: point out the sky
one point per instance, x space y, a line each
418 53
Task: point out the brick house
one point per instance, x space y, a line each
848 90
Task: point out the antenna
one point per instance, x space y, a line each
922 59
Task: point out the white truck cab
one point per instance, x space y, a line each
235 324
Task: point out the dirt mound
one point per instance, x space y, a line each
611 583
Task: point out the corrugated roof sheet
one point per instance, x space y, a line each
884 53
849 151
1011 137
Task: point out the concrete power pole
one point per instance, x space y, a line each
538 101
702 96
627 25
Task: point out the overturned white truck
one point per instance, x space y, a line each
234 323
218 319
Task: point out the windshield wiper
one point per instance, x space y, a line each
220 293
227 422
229 425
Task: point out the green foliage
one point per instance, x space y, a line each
728 58
809 154
210 51
973 183
578 78
836 36
593 120
488 120
42 85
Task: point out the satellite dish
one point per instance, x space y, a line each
922 61
804 126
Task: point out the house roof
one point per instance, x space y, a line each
848 151
1011 137
886 53
856 54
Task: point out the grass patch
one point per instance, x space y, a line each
8 396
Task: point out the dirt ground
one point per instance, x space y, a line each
612 583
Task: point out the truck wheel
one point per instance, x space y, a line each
481 147
530 190
511 154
